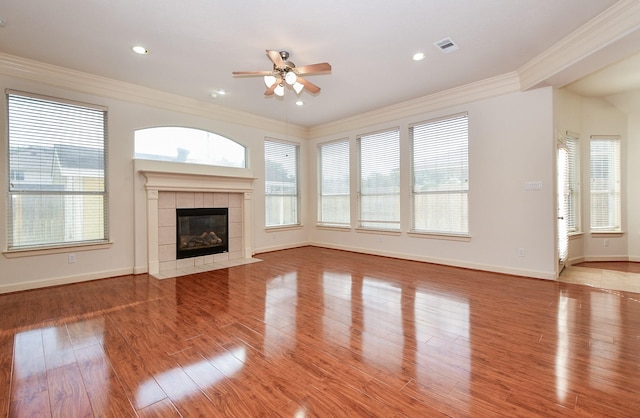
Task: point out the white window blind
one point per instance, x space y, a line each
573 179
334 191
281 184
379 182
440 176
57 172
605 184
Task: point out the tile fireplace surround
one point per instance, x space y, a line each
166 191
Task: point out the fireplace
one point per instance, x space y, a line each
166 187
201 231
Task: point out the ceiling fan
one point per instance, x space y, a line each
286 73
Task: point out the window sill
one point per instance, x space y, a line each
33 252
449 237
576 235
282 228
378 231
607 234
334 228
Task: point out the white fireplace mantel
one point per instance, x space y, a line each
197 179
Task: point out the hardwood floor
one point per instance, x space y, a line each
312 332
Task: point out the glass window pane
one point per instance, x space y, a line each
281 184
379 193
440 175
334 184
605 185
188 145
57 179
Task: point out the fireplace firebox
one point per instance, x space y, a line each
201 231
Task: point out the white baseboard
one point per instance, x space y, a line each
57 281
607 258
280 247
140 270
447 262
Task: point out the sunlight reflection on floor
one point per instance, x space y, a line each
604 279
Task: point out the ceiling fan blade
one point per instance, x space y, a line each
251 73
270 90
322 67
308 85
275 57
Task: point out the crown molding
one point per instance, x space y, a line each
14 66
483 89
613 24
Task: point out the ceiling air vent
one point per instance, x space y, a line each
446 45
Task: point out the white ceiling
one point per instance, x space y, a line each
195 45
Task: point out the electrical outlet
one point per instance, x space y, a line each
606 243
520 252
71 259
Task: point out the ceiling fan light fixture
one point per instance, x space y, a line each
290 77
279 90
298 87
269 80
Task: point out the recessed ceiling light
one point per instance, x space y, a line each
140 50
418 56
3 23
300 103
218 92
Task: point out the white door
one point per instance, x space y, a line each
563 201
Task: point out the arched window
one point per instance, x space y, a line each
188 145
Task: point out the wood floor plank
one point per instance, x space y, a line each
161 409
140 386
29 375
35 405
107 396
58 350
320 332
6 366
67 395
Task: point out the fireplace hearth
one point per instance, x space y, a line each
201 231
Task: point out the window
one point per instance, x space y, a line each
57 179
605 184
281 184
188 145
379 181
573 179
440 176
334 196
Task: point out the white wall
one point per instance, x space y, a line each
629 103
127 254
511 142
633 187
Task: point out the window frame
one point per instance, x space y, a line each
574 204
614 189
296 195
191 146
393 225
462 233
30 107
345 221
